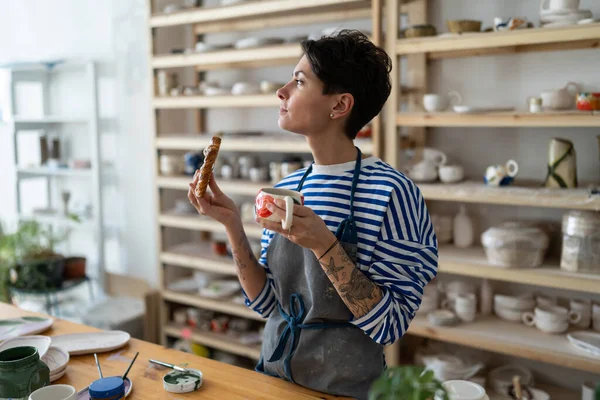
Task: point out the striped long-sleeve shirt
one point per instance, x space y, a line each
397 245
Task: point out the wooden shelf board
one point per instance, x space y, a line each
198 256
277 21
472 192
555 392
43 171
517 40
501 119
193 222
258 100
218 305
47 119
217 341
473 262
231 58
252 10
495 335
236 186
280 143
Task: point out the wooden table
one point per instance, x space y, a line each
221 381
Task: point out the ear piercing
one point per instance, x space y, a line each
331 115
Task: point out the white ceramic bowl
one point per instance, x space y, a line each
451 173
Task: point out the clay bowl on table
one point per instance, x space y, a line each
463 25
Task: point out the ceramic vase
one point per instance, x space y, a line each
21 373
562 164
463 229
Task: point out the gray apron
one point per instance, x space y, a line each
309 340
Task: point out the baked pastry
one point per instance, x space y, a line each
210 156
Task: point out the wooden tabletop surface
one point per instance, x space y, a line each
220 381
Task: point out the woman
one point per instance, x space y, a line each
348 276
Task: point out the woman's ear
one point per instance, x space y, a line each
343 105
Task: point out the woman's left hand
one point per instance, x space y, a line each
308 229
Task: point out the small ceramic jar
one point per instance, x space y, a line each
535 104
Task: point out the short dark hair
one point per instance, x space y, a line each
348 62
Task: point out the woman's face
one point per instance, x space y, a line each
304 108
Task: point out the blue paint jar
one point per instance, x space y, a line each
112 388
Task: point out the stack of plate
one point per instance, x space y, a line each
511 308
442 317
562 17
56 359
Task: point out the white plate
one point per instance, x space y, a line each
84 395
220 289
42 343
56 359
91 342
58 375
15 327
586 340
473 110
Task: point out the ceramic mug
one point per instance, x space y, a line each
501 175
268 195
425 171
451 173
561 99
559 5
435 156
437 102
54 392
585 309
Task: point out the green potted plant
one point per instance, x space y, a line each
407 382
28 258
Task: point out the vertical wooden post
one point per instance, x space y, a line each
377 27
390 138
417 72
162 309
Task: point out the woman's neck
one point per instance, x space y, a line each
329 149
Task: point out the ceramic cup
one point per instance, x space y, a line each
451 173
465 306
500 175
551 319
268 195
434 156
585 309
275 172
257 174
54 392
171 165
437 102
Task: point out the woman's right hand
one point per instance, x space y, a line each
216 205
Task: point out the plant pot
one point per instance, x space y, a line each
74 268
41 274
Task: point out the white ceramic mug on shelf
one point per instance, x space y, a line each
451 173
585 309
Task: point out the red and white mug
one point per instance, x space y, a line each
268 195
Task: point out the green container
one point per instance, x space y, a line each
21 373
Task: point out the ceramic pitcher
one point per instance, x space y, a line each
21 373
501 175
562 164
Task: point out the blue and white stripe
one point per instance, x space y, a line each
397 245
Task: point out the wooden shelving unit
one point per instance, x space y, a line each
216 341
514 339
516 119
264 144
255 15
490 333
472 192
473 262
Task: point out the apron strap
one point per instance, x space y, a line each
346 231
295 321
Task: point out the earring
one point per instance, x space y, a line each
331 115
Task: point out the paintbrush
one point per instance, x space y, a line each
98 365
164 364
128 368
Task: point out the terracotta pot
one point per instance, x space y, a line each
75 267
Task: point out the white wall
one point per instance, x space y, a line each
114 34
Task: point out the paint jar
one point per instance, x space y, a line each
112 388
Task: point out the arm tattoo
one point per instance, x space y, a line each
357 292
331 269
244 249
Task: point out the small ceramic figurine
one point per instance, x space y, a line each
511 24
501 175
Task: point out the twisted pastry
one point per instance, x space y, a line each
210 156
